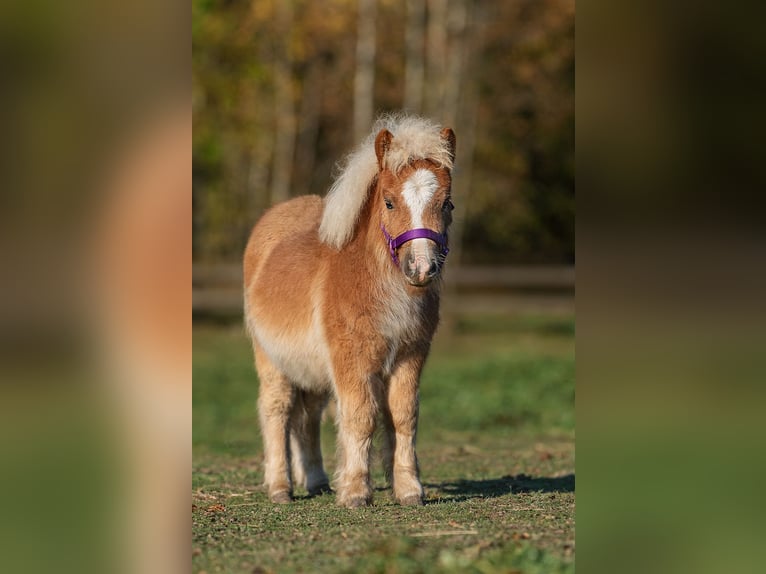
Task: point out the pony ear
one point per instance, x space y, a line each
382 143
448 135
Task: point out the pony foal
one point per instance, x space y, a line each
342 299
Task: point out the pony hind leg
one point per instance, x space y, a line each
275 401
305 444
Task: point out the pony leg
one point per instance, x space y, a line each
357 410
400 416
305 446
275 400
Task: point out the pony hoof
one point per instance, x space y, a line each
413 500
320 489
282 497
356 502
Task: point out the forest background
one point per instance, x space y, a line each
282 90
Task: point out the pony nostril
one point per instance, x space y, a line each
433 269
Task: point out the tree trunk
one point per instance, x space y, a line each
457 61
284 108
364 78
414 65
462 106
306 148
436 57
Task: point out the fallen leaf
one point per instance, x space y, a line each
521 536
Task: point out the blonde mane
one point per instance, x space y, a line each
414 138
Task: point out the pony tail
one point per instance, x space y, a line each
347 195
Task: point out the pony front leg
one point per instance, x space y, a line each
400 414
275 401
357 410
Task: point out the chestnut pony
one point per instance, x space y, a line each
342 299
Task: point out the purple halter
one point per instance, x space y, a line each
394 243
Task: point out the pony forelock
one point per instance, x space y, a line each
414 138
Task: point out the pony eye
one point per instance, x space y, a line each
389 205
448 205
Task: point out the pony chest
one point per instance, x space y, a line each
401 325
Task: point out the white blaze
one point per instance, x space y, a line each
417 192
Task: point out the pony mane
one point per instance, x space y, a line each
414 138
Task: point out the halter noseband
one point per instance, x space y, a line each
394 243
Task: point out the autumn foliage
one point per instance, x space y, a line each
274 100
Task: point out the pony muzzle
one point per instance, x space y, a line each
419 253
420 261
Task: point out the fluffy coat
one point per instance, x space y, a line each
330 314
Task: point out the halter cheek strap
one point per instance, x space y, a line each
394 243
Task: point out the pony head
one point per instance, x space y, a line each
415 209
404 169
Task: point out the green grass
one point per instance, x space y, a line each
496 449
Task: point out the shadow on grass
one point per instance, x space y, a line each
495 487
463 489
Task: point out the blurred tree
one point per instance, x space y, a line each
311 73
414 65
436 56
282 89
364 77
522 207
284 104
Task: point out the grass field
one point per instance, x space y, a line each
496 450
